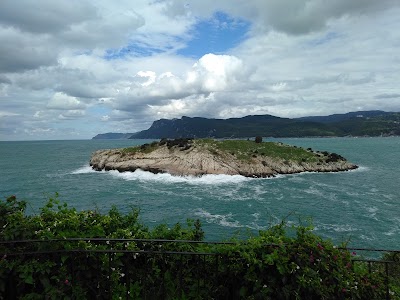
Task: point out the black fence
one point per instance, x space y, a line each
140 269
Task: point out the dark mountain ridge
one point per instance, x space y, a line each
360 123
347 116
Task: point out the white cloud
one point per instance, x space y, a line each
215 72
4 114
61 101
150 77
91 65
211 73
71 114
288 16
45 16
23 51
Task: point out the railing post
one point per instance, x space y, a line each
198 273
72 269
145 274
387 280
127 278
180 267
216 270
204 270
109 276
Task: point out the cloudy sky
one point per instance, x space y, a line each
70 69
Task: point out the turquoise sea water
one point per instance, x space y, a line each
362 206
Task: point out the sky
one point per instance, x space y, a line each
70 69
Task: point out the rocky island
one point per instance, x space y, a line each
198 157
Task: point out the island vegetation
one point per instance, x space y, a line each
62 253
187 156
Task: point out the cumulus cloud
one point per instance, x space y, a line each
292 17
61 101
216 72
148 76
35 33
21 51
45 16
211 73
304 16
4 80
71 114
118 66
112 30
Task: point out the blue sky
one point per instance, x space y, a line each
218 35
73 69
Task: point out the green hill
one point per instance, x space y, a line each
361 123
374 123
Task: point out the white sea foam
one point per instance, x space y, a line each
256 216
367 238
360 169
254 224
223 220
338 227
83 170
168 178
390 232
372 212
372 209
394 230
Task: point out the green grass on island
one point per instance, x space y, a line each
145 148
246 149
241 149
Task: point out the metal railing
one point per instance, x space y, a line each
375 261
143 269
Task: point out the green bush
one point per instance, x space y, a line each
61 253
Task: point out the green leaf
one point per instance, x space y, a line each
64 258
243 291
27 278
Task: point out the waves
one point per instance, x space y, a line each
144 176
83 170
354 205
360 205
167 178
223 220
209 179
360 169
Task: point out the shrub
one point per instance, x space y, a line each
279 263
258 139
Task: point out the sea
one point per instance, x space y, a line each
359 207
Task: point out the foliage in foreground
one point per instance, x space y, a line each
272 265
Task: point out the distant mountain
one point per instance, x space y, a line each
386 124
112 136
264 125
361 123
343 117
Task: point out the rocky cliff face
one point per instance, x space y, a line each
197 159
